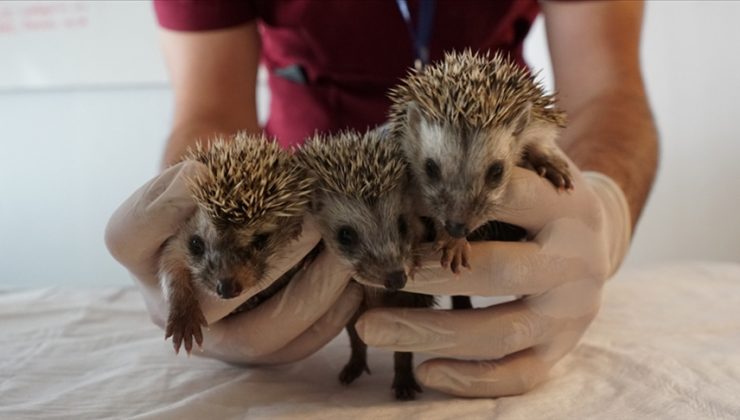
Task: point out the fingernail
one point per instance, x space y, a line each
376 329
423 375
433 377
441 377
360 327
381 329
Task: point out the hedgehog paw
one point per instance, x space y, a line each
455 254
353 370
184 326
405 387
557 173
550 165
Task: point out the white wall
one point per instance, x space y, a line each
48 44
691 62
67 160
69 157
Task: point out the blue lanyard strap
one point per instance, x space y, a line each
423 31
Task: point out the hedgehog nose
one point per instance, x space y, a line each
456 230
395 280
228 288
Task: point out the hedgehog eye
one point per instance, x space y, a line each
347 237
259 241
403 227
196 246
245 253
432 170
494 172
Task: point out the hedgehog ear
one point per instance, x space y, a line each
521 121
406 179
413 117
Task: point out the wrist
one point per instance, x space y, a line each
616 217
187 135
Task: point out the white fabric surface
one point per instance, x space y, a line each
666 344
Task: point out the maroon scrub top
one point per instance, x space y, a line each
332 62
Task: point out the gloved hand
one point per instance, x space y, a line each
311 310
578 239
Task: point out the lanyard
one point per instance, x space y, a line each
423 32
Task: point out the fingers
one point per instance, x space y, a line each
285 316
488 333
320 333
294 252
511 375
532 201
149 216
498 269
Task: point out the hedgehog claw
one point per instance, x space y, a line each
353 370
455 254
549 164
405 387
558 175
184 326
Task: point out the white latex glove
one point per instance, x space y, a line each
311 310
578 239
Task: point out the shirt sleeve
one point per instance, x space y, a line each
203 15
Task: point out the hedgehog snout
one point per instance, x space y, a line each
228 288
395 280
456 229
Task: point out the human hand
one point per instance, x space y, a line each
578 239
311 310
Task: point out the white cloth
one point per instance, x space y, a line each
666 344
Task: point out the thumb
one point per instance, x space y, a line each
153 213
512 375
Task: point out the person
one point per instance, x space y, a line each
330 65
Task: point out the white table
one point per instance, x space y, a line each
666 344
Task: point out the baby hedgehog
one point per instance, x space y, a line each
250 205
362 207
464 123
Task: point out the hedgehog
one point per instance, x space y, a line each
250 204
362 208
464 123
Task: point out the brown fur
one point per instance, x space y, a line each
464 124
252 182
473 89
251 205
362 194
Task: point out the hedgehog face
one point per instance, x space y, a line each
377 238
464 122
225 261
462 171
361 204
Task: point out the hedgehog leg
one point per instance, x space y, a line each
455 253
404 384
548 163
185 317
358 359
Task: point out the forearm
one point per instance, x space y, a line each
594 47
213 76
614 133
